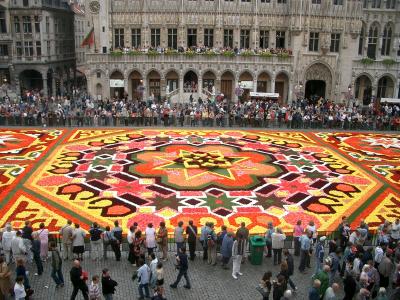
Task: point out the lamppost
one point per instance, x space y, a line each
349 95
239 90
141 89
5 87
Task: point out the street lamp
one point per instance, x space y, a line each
5 86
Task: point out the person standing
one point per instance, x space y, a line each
385 269
153 270
5 279
297 233
95 242
305 247
36 253
178 235
20 270
94 288
116 240
279 288
66 240
323 277
182 263
150 238
278 242
56 266
19 289
237 254
212 246
162 240
129 238
6 239
290 264
27 231
226 249
106 241
349 285
313 293
191 233
18 248
244 232
268 239
143 274
78 242
319 254
78 281
108 285
205 230
43 235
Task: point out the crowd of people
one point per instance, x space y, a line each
346 261
35 110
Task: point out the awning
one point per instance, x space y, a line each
264 95
390 100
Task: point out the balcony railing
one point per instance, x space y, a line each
383 64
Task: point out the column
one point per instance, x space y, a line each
218 85
255 85
163 87
397 89
273 85
53 85
200 84
126 87
181 88
235 85
45 88
290 92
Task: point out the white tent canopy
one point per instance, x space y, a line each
390 100
264 95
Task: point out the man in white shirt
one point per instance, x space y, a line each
143 274
7 237
18 247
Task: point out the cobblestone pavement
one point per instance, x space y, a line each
208 282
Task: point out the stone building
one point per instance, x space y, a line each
37 45
330 42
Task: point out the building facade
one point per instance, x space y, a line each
37 45
329 41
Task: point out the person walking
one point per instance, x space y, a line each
66 240
95 242
143 274
279 288
5 279
182 265
160 274
150 234
36 254
237 254
18 248
27 231
108 285
212 246
278 242
116 240
56 265
313 293
43 235
178 235
288 258
265 285
78 242
323 277
94 288
19 289
297 233
6 239
191 233
153 269
78 281
20 270
226 249
385 269
162 240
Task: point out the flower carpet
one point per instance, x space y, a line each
223 176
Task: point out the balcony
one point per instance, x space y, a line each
387 65
198 59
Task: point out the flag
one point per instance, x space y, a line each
89 39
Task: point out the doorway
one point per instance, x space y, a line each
315 89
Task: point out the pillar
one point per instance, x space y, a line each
273 85
397 89
235 85
255 85
200 84
290 92
218 84
181 88
45 87
163 86
53 85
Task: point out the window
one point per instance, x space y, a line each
155 37
26 24
25 3
3 50
17 26
173 38
335 42
28 48
361 41
98 74
265 1
246 0
38 49
119 38
3 27
136 37
37 24
390 4
244 39
376 4
365 4
337 2
18 48
47 25
316 1
372 41
386 40
48 48
264 39
282 1
209 37
192 37
280 39
313 42
228 38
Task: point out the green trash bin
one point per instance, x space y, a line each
257 244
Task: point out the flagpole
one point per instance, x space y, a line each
94 37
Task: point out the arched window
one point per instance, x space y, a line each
376 4
390 4
372 41
386 40
361 40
